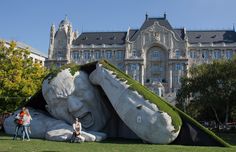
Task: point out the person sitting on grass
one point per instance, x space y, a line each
76 137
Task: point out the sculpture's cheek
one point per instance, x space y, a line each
74 104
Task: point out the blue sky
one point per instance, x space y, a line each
29 21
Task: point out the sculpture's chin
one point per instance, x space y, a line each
86 119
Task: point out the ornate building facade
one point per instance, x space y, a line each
156 54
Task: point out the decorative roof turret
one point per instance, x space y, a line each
64 22
127 35
52 30
185 34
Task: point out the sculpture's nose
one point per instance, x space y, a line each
74 104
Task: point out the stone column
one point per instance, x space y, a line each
82 57
141 77
126 68
170 77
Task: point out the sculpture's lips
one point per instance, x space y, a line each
86 119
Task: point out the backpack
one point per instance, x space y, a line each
19 118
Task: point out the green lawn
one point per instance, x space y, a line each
111 145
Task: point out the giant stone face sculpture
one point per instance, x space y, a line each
73 96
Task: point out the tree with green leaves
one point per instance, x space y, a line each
20 78
210 91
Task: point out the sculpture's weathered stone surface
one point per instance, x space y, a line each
41 125
73 96
46 127
141 116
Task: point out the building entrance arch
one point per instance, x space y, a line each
156 66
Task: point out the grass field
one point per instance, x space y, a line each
111 145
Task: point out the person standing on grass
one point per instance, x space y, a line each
26 124
19 122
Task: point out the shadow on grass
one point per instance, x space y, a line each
122 141
229 137
49 151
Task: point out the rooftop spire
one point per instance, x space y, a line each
146 15
164 15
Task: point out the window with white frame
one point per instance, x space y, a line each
217 54
75 56
86 55
156 54
205 54
134 53
97 54
177 54
119 55
178 66
229 54
193 54
108 54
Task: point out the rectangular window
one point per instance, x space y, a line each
108 54
192 54
97 54
205 54
217 54
134 53
155 54
229 54
75 56
177 54
178 66
86 55
119 55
